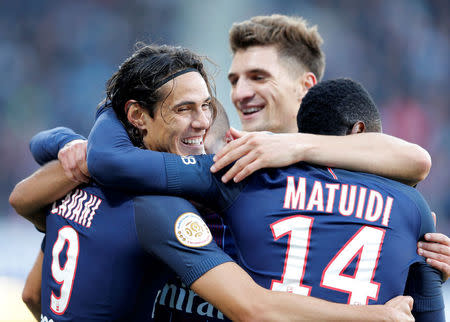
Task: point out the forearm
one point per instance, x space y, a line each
303 308
31 294
375 153
43 187
235 294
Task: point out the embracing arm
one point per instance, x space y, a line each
209 272
31 195
113 161
436 249
229 288
424 285
375 153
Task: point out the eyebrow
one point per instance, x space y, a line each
190 102
251 71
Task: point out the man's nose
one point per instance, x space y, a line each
202 120
241 92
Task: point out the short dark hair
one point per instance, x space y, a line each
139 77
332 108
291 35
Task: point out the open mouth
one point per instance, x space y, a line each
251 110
193 141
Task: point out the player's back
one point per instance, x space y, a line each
343 236
92 262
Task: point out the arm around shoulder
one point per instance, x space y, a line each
376 153
229 288
43 187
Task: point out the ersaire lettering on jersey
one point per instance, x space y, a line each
370 205
78 206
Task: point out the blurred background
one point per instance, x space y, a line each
55 57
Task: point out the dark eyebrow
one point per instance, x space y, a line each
258 71
251 71
190 102
231 75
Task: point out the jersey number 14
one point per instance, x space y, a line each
365 243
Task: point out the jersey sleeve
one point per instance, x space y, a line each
190 177
427 224
171 229
424 285
424 282
113 161
45 145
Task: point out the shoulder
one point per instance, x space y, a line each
408 194
162 203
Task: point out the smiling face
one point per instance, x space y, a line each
265 89
180 121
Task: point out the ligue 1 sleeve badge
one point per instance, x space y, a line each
191 230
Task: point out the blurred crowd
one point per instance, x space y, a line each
56 56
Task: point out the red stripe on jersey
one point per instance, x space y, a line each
332 173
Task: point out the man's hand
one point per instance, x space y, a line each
401 308
253 151
437 252
73 161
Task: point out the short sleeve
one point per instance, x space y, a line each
171 229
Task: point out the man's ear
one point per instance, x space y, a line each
307 80
135 114
358 127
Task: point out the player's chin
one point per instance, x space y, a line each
255 124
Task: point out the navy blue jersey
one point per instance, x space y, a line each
46 144
110 165
308 231
354 234
104 251
339 235
156 293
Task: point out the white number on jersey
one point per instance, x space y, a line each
187 160
299 230
366 243
64 275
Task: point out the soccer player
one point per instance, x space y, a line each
296 242
264 74
276 59
99 241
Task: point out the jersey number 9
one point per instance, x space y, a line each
64 275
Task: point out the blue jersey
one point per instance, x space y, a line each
104 249
315 232
141 234
342 236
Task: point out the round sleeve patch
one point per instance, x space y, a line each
191 230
